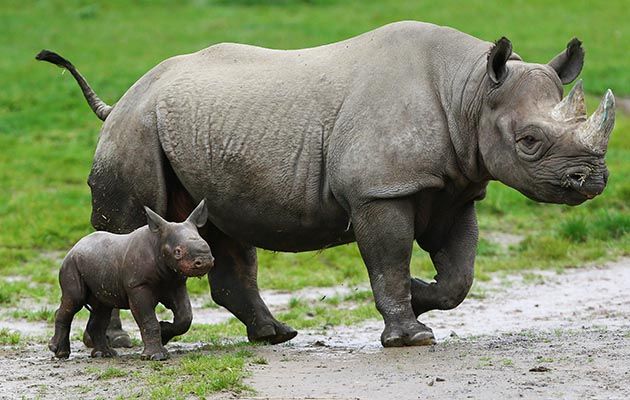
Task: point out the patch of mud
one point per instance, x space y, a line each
576 324
595 296
574 327
31 372
579 365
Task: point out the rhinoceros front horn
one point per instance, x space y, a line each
595 132
572 107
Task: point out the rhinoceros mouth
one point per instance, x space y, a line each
198 267
574 198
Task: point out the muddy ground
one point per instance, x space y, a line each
535 335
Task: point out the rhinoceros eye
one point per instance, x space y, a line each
529 141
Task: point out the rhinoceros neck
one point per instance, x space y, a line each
462 78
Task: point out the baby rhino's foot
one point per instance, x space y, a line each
104 353
155 355
60 351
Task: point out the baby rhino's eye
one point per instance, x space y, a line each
177 253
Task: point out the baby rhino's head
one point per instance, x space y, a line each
183 249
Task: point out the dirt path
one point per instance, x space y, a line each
574 328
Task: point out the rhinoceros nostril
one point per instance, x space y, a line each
578 178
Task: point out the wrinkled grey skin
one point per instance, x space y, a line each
382 139
104 271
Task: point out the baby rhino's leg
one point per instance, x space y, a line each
179 303
72 300
142 303
96 327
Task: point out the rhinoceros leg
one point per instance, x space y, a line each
385 231
116 336
233 283
454 260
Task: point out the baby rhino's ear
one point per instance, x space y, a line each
199 216
154 220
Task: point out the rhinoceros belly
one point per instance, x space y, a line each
255 148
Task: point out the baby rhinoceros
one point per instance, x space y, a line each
135 271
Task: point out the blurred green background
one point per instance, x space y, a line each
48 134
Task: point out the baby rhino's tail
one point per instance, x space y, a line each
99 107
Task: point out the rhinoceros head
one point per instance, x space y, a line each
535 141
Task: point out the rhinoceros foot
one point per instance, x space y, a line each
417 334
155 355
273 333
103 353
116 338
60 350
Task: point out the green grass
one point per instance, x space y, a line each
47 134
8 337
110 372
42 314
194 375
507 362
301 314
199 375
214 334
321 316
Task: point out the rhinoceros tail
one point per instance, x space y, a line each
97 105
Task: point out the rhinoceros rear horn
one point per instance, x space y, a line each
572 107
497 60
595 132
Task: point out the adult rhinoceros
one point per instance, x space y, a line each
382 139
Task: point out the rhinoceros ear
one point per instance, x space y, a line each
568 64
199 216
497 60
154 220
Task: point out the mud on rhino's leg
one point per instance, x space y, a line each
384 230
454 261
233 283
